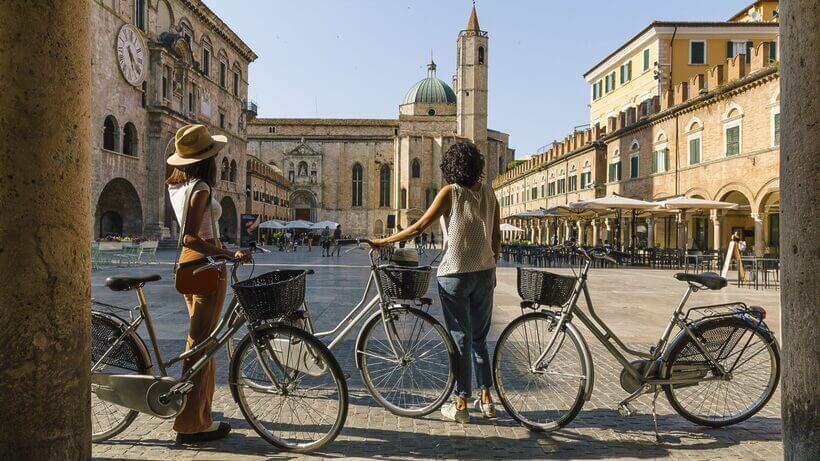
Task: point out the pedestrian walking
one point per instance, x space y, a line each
326 241
337 235
470 219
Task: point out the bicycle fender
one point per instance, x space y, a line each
590 382
122 325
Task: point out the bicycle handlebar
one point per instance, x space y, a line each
216 260
595 253
342 242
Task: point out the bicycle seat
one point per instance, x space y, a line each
710 280
123 283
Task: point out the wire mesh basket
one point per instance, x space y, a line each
272 295
404 282
545 288
104 333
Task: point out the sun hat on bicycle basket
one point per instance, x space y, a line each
405 257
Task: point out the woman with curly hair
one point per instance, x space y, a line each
470 218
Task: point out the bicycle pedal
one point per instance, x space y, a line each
626 410
181 388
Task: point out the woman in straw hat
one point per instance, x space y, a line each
194 175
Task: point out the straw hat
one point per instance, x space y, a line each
193 143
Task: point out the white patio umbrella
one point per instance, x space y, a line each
510 228
272 224
299 224
618 203
322 224
683 204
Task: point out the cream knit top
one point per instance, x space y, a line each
468 231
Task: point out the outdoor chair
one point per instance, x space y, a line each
148 252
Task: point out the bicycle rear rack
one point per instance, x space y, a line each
715 311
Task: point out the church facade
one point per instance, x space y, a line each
370 175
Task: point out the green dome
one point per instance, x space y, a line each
431 90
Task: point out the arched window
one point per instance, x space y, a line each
232 176
481 55
139 14
358 182
415 168
224 175
384 186
129 139
111 134
403 198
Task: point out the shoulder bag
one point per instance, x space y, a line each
185 280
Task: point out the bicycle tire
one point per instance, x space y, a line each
372 382
316 347
683 352
577 403
109 322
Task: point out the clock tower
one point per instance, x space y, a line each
471 81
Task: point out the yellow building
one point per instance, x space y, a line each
665 54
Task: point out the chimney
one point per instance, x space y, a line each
681 93
697 85
621 120
630 116
736 68
655 105
760 56
597 132
610 124
667 99
714 77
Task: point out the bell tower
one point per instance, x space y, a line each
471 82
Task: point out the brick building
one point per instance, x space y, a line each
267 191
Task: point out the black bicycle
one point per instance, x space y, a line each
721 368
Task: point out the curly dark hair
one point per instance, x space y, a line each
462 164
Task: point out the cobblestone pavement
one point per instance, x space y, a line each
372 432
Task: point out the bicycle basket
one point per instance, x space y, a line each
404 282
104 333
272 295
544 288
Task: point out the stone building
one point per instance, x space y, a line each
159 65
267 191
715 137
370 174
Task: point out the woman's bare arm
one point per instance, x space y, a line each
497 231
440 206
194 218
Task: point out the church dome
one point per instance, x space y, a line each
430 90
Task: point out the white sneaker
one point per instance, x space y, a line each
486 409
448 410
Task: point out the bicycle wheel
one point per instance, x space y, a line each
419 376
129 357
549 396
290 388
749 354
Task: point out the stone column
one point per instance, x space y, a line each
650 232
581 234
608 230
595 240
760 244
717 228
45 194
799 232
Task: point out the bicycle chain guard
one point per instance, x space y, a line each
139 392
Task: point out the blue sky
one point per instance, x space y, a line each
357 58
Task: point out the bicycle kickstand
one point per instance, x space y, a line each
655 415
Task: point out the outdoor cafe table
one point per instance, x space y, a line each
758 268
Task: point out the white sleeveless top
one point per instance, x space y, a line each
468 231
178 192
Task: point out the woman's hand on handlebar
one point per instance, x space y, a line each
242 256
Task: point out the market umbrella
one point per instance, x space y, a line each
322 224
272 224
685 204
618 203
299 224
510 228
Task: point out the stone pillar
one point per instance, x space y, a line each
799 232
595 240
650 232
45 194
681 225
760 244
567 230
608 230
717 228
582 238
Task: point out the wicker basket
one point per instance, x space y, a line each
404 282
544 288
272 295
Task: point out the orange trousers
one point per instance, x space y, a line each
204 311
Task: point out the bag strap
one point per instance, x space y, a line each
185 207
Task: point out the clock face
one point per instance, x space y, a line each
131 54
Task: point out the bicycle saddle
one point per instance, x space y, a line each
710 280
123 283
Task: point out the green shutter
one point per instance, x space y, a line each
666 159
772 51
749 45
629 70
646 59
623 71
729 48
655 161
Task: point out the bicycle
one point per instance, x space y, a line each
721 368
275 366
405 356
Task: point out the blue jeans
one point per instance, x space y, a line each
467 300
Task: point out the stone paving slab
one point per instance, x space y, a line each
372 432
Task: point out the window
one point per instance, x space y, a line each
481 55
384 186
206 60
222 120
633 166
166 72
129 139
225 173
736 47
646 59
660 159
233 172
694 151
573 183
776 128
431 112
772 51
534 192
774 230
139 14
403 198
144 95
543 189
551 188
561 185
110 133
597 89
697 52
223 74
626 72
192 100
586 180
415 169
615 171
733 140
609 82
235 83
358 183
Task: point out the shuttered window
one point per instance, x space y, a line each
694 151
646 59
660 159
733 140
697 52
633 166
614 171
573 183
